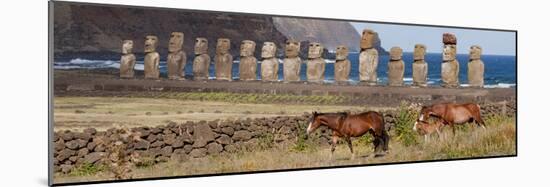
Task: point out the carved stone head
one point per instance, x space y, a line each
151 43
201 46
419 52
396 53
475 52
367 39
127 46
449 38
223 45
176 42
248 47
268 50
342 52
315 50
292 48
449 52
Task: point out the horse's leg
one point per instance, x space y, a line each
333 146
425 138
479 121
348 140
386 138
453 128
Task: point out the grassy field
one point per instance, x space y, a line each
77 113
469 141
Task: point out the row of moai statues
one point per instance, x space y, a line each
368 61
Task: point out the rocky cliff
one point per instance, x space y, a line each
100 29
330 33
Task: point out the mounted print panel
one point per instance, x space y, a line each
155 93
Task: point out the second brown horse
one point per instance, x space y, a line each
452 114
346 126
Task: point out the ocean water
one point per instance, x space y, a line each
500 71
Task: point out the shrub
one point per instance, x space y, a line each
303 143
265 141
406 116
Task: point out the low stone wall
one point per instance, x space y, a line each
176 141
198 139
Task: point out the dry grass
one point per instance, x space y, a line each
497 140
77 113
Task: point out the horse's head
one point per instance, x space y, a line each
420 126
314 123
425 113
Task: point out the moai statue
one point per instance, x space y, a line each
270 64
396 67
176 56
201 63
292 61
127 60
450 66
476 67
223 60
342 66
315 63
152 58
420 67
248 64
368 58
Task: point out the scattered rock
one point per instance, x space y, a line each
59 145
91 145
178 143
230 148
73 159
90 131
99 148
214 148
202 135
157 144
197 153
187 148
67 136
73 144
169 138
141 145
94 157
166 151
66 168
224 139
81 143
228 130
242 135
82 152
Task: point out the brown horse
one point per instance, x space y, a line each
452 114
344 125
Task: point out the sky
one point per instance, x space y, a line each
406 36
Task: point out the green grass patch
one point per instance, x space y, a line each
86 169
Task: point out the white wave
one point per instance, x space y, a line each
500 85
86 61
408 79
139 67
330 61
66 67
